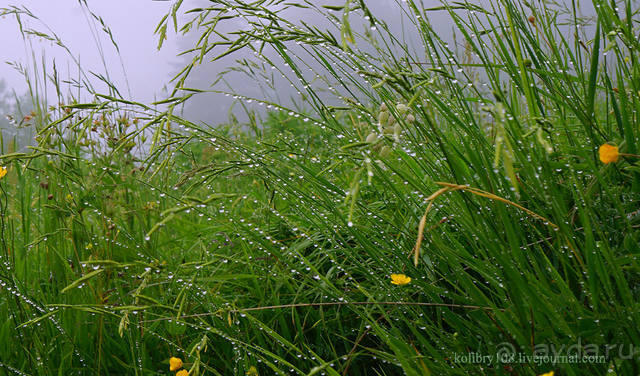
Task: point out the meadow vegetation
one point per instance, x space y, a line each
415 205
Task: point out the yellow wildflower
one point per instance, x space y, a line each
253 371
608 153
400 279
183 372
175 364
547 374
3 172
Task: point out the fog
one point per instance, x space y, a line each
140 70
132 24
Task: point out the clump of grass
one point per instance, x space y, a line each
453 203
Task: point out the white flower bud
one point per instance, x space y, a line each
391 121
383 117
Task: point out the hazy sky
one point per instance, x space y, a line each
132 23
147 69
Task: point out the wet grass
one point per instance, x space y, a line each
131 235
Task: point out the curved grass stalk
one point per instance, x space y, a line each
450 187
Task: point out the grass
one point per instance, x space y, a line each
131 235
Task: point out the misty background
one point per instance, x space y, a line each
138 69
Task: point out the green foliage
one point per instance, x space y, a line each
131 235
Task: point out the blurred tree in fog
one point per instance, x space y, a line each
17 131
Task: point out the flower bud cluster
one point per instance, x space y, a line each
388 126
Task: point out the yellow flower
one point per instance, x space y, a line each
3 172
253 371
400 279
608 153
183 372
175 364
547 374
